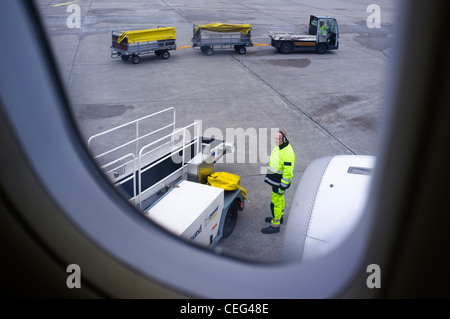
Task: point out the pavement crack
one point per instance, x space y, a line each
176 11
292 104
76 50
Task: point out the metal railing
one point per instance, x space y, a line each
196 140
138 137
223 39
131 177
141 156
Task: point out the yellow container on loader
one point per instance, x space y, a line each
227 181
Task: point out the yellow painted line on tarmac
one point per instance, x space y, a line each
184 47
260 44
63 4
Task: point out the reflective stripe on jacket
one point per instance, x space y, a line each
281 166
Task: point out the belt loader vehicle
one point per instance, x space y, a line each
323 35
163 170
131 44
222 35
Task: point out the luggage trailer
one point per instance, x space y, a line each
222 36
131 44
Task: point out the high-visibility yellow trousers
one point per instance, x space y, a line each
277 207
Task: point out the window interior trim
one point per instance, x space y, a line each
41 123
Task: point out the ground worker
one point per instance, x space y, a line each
323 29
279 176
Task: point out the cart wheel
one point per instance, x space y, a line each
135 59
285 48
208 50
125 57
230 220
158 53
242 50
321 48
165 54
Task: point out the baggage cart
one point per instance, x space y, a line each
221 35
131 44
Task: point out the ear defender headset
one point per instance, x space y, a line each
284 137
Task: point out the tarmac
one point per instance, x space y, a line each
328 104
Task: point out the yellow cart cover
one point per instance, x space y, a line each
167 33
224 27
227 181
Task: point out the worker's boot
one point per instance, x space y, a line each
270 230
269 220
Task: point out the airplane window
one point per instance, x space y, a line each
160 126
132 108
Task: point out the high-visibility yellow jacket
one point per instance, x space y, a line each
281 166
